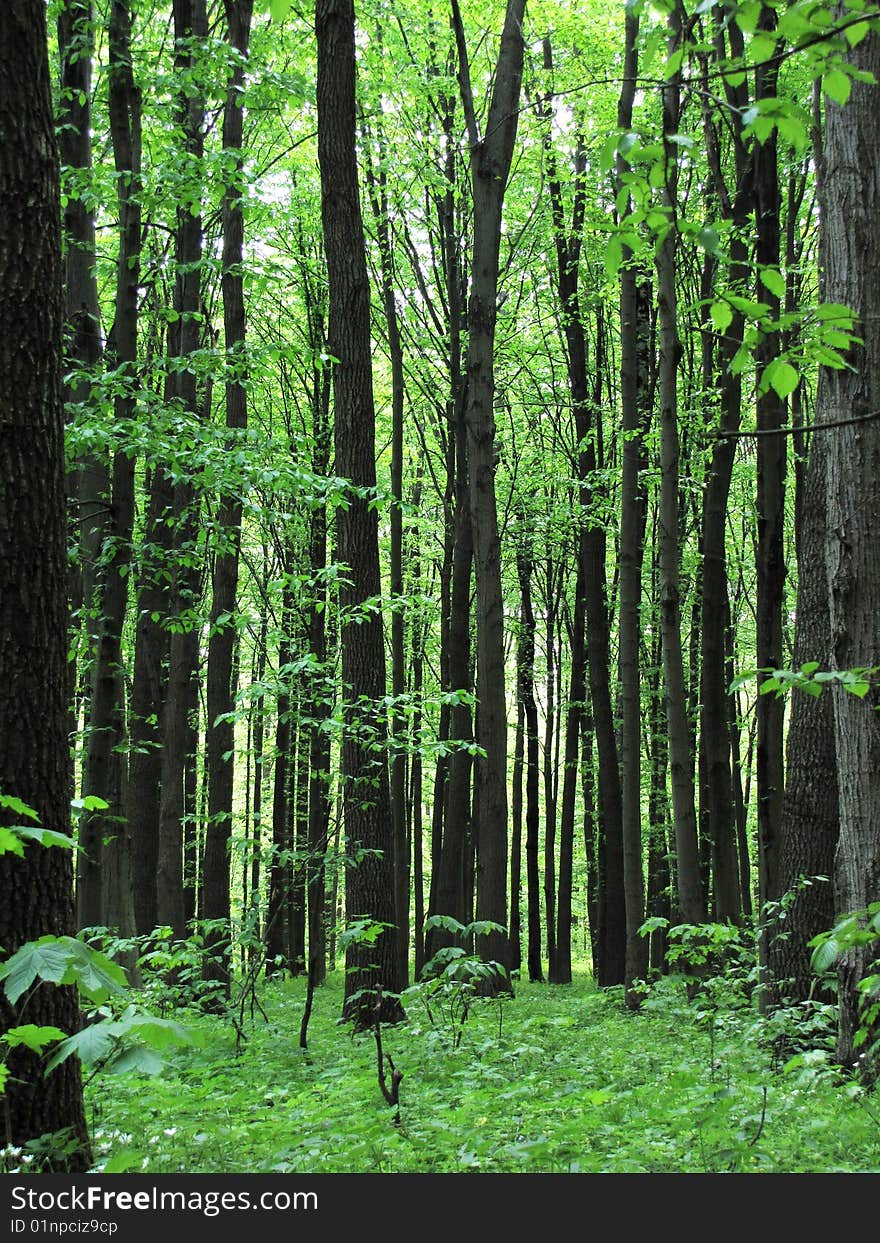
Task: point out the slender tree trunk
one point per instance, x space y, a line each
190 28
104 894
526 696
771 454
223 635
680 757
365 792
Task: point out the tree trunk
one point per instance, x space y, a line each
36 891
223 635
850 203
365 788
104 893
526 696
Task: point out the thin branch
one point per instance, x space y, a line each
804 427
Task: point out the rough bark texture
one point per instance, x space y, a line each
365 786
104 894
850 211
770 558
190 23
526 697
36 891
220 739
491 157
810 811
681 768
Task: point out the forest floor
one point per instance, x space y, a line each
558 1079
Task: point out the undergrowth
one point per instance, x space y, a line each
554 1080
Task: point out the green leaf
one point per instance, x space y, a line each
62 960
837 86
613 255
15 804
709 240
782 377
855 34
155 1032
91 802
137 1058
825 955
279 9
92 1045
773 280
32 1037
762 47
11 843
722 315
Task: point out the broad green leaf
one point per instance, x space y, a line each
92 1045
11 843
762 47
613 255
32 1037
837 86
62 960
137 1058
782 377
279 9
773 280
709 240
825 955
722 315
15 804
155 1032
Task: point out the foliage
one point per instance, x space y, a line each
572 1083
452 979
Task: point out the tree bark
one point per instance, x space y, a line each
850 203
36 891
223 634
365 787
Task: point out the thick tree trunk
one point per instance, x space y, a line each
810 810
36 891
850 207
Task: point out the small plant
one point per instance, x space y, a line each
452 979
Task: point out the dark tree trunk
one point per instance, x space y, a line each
378 189
222 642
526 697
104 892
680 757
490 156
36 891
771 453
365 788
190 26
89 482
810 809
148 690
850 200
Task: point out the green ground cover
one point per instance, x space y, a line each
554 1080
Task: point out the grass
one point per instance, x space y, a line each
558 1080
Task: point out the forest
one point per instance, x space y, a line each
439 586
